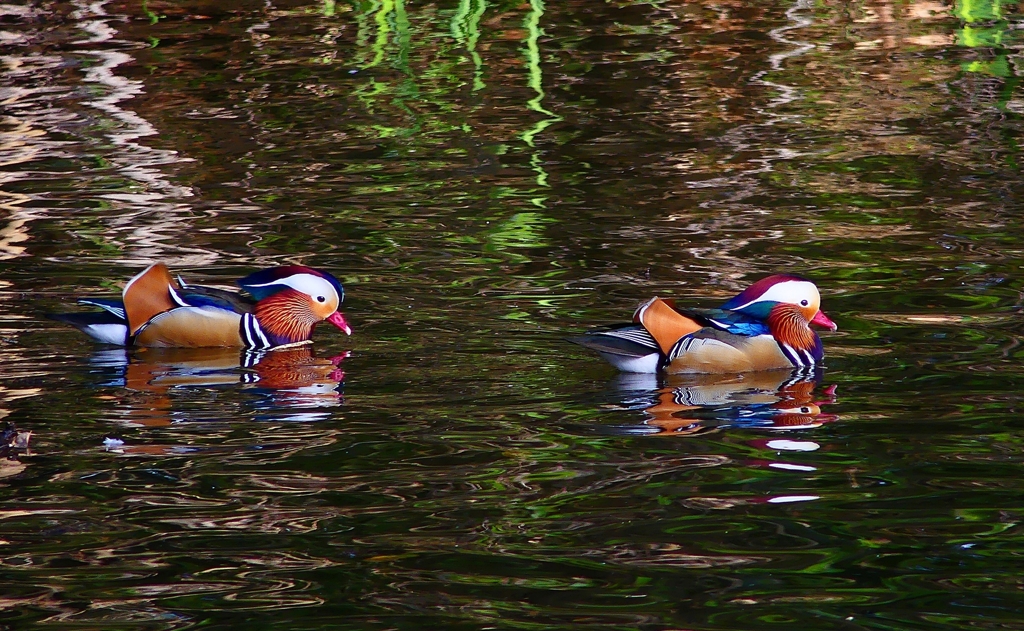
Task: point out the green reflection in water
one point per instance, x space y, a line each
979 10
466 30
473 28
385 37
362 33
383 30
404 35
153 16
387 16
536 80
521 230
991 33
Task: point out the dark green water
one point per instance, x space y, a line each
488 178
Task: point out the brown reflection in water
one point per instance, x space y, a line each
145 218
251 581
673 555
293 377
23 140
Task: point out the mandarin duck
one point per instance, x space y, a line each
157 310
765 327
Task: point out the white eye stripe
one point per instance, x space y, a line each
306 283
790 291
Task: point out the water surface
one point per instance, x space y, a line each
488 178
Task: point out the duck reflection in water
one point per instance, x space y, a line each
291 379
685 405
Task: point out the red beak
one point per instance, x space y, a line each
823 320
338 320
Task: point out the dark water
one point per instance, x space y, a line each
487 178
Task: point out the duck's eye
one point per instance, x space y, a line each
805 410
803 303
321 299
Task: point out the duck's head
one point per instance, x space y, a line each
759 299
292 299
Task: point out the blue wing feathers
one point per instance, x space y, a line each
198 296
734 322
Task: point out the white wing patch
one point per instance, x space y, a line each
628 363
107 333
